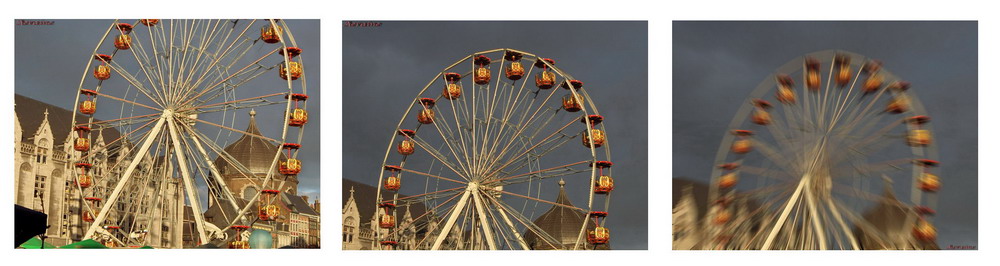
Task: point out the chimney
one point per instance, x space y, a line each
305 198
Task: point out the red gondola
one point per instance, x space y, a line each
547 78
482 75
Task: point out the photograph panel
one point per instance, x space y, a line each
483 135
164 133
810 135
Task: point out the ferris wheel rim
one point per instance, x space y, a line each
742 117
194 132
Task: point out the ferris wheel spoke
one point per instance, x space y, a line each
853 192
126 101
513 229
534 156
448 142
524 124
188 66
779 131
525 152
866 228
463 144
425 214
236 104
440 157
156 95
219 54
842 103
563 168
879 167
231 87
159 75
489 116
434 176
767 172
207 36
530 226
858 116
220 82
507 114
771 154
118 122
425 197
273 141
542 201
765 192
877 135
223 188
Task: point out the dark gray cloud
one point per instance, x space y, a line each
50 59
386 66
717 64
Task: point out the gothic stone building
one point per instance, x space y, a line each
44 175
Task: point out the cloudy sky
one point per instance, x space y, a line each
717 64
386 66
51 58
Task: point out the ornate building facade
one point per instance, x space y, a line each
44 176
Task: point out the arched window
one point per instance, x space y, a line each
26 178
350 225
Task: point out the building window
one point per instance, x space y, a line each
40 187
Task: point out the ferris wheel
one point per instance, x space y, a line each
173 89
812 159
478 143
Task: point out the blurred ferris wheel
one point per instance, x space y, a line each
173 88
488 137
799 172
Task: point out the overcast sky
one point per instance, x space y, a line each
50 59
717 64
386 66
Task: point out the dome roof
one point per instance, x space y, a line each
251 151
561 222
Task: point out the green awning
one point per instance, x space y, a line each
35 243
89 243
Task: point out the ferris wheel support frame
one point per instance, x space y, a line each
517 235
480 207
216 175
451 220
128 173
189 184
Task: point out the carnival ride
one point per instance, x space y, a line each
480 138
798 173
173 88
